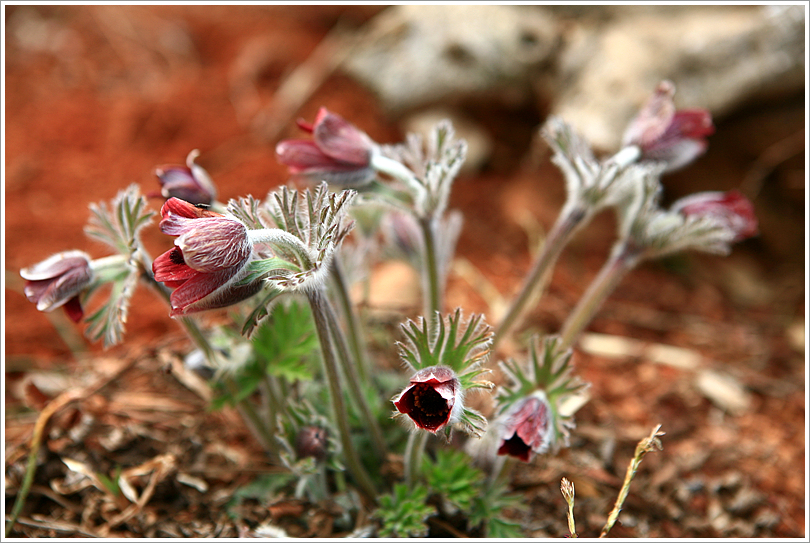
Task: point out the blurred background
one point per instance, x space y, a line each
98 96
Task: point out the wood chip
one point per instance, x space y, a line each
724 391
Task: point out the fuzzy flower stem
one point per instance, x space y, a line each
500 469
567 223
319 313
352 322
433 296
399 171
623 258
353 380
245 408
413 455
433 290
252 418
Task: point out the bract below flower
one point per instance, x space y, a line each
664 134
730 208
527 427
211 253
190 182
433 399
338 153
58 281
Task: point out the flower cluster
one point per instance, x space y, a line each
261 257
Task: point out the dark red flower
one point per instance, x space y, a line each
433 398
190 182
527 428
58 281
210 254
665 134
731 209
338 152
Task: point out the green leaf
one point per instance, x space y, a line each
119 222
286 344
453 478
109 320
462 346
260 312
487 509
404 513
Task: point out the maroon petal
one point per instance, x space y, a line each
223 296
73 308
340 140
302 156
196 288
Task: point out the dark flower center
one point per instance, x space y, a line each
430 410
176 256
514 446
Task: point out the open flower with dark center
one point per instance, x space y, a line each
210 255
664 134
58 281
190 182
433 398
528 428
338 153
731 209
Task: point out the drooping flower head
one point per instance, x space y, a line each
433 399
527 427
664 134
338 153
530 417
446 358
731 209
58 281
211 253
190 182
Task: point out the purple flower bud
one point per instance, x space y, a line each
190 182
58 281
210 254
312 441
666 135
433 399
528 428
731 209
338 153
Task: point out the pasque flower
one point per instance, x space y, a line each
338 152
664 134
433 398
58 281
527 427
190 182
731 209
210 255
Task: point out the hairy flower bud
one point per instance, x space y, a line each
210 255
664 134
731 208
338 153
433 398
312 441
190 182
58 281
